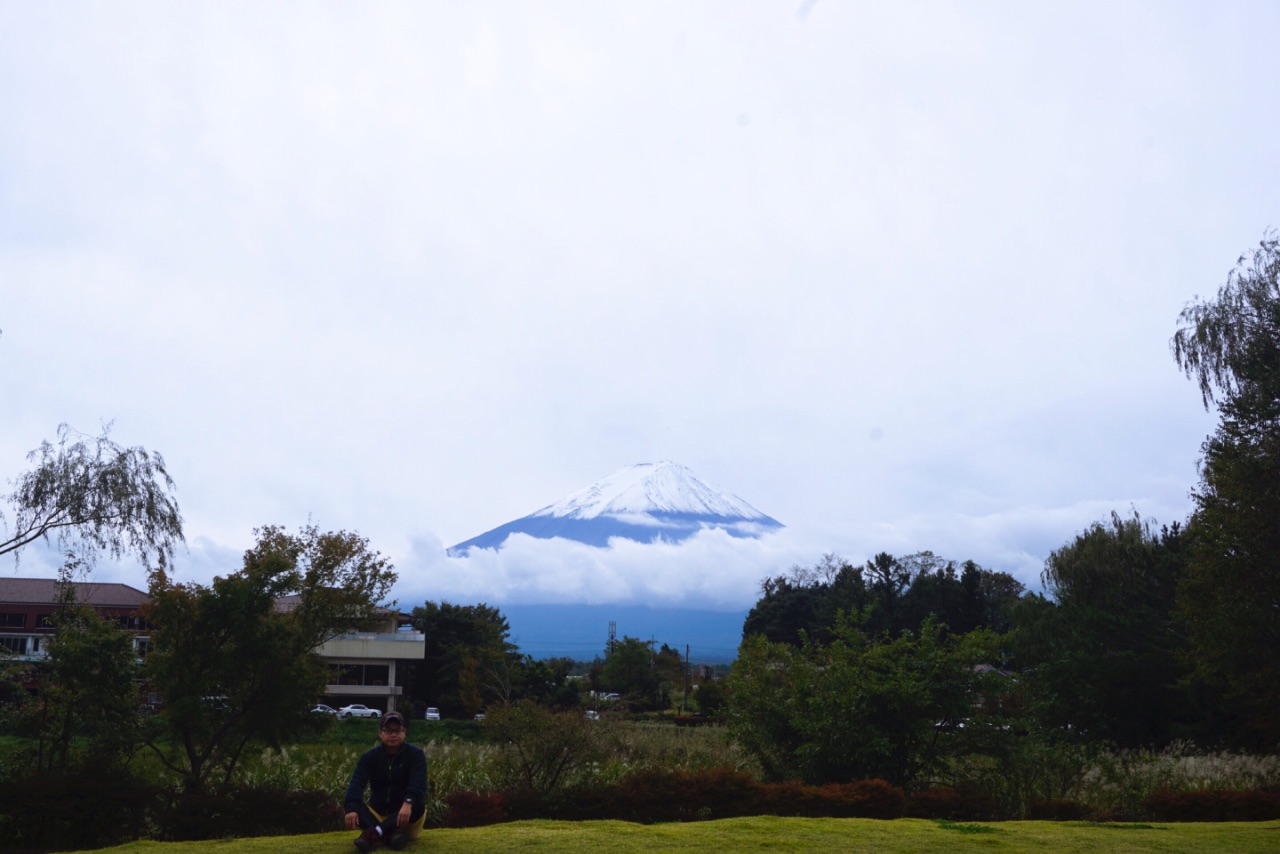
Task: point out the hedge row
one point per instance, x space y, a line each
661 796
666 796
953 804
70 812
1213 805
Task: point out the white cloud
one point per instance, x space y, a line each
711 570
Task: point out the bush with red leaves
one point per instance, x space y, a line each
954 804
1213 805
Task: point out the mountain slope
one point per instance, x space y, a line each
643 502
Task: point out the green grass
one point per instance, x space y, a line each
771 834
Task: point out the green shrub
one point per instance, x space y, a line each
544 750
1029 770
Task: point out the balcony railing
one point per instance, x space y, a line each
384 637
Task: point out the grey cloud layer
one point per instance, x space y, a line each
903 276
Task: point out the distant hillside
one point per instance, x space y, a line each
582 631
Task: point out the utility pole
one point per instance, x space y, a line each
684 707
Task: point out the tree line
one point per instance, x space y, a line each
890 668
470 665
1144 635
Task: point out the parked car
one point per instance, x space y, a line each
480 716
358 711
322 709
433 714
593 715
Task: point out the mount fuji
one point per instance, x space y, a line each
645 502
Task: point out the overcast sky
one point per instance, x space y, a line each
901 275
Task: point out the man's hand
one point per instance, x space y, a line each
352 820
406 809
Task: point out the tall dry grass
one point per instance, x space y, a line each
455 765
1112 784
1118 783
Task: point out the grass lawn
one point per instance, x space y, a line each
768 833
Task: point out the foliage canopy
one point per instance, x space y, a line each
862 706
1229 597
236 661
91 495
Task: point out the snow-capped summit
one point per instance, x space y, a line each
666 487
643 502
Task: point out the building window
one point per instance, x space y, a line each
132 623
45 621
13 621
141 646
17 646
359 674
348 674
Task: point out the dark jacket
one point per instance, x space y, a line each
392 779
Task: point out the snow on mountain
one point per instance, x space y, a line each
643 502
645 487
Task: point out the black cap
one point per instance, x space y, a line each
393 717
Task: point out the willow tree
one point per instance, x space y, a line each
90 495
1229 598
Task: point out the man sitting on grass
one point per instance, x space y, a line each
396 774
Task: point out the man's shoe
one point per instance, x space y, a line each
366 841
399 841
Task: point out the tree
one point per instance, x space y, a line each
1103 660
860 707
235 662
711 696
785 611
628 670
547 682
467 660
92 495
893 594
88 689
1229 598
645 677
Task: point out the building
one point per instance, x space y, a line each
27 607
369 667
366 667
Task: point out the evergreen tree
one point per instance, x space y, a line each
1103 660
1229 599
